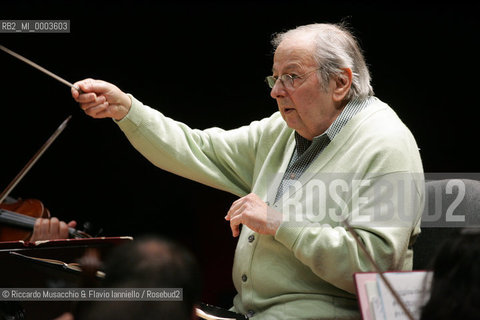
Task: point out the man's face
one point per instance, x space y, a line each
307 107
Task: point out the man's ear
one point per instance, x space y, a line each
343 82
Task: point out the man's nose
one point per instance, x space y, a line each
278 90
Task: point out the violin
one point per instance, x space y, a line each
17 220
20 216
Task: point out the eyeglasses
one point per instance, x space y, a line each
287 80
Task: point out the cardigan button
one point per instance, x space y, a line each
250 313
244 277
251 238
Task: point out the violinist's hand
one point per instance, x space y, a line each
100 99
255 214
49 229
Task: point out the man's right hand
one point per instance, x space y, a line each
100 99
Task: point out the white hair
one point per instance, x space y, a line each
335 48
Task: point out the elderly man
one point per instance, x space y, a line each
332 152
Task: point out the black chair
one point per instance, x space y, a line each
447 203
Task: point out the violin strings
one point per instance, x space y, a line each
18 217
27 221
12 216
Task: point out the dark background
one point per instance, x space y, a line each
203 63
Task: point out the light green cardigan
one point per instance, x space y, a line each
306 270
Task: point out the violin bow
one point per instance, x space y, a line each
57 132
22 173
32 161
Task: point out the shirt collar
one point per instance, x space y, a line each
353 107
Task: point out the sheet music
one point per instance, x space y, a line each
374 300
413 288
